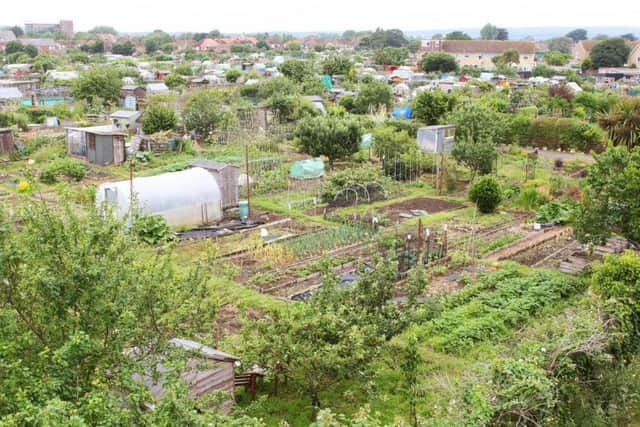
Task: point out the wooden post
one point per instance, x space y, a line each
246 161
444 244
419 242
132 164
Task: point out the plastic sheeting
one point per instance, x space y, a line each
307 169
366 141
187 198
402 113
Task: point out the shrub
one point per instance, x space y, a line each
152 229
563 134
70 168
344 179
486 193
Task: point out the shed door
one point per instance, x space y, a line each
91 148
104 149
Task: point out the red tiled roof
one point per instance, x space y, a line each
488 46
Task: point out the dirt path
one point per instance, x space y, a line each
565 157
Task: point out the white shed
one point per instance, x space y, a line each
188 198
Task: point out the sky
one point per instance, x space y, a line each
248 16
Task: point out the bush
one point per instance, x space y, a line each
564 134
344 179
486 194
159 117
70 168
152 229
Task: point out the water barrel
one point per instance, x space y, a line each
244 209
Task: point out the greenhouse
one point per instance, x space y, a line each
187 198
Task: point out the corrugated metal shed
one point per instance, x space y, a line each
226 176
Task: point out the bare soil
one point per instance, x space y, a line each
426 204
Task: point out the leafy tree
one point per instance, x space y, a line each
439 62
232 75
382 38
44 63
542 70
296 70
126 48
414 45
14 46
410 365
561 44
390 143
335 138
477 130
98 84
610 53
313 86
577 35
610 202
587 64
503 34
17 31
79 293
617 283
156 39
511 56
431 106
457 35
276 85
489 32
557 58
95 46
174 81
629 36
205 112
184 70
373 96
214 34
391 56
336 65
294 46
31 50
486 194
103 29
159 117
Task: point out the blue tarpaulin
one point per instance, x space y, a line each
402 113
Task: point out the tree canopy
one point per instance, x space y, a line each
333 137
610 202
98 85
610 53
439 62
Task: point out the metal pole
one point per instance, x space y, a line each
246 161
132 164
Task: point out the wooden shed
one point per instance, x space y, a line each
226 176
6 141
101 145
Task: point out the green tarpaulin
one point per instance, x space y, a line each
327 82
307 169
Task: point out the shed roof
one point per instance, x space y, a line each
208 352
10 93
100 130
7 36
210 165
125 114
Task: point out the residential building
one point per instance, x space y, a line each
223 44
6 37
479 53
44 45
64 27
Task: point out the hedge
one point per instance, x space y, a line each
555 133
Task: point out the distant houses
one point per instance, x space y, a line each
479 53
223 44
584 47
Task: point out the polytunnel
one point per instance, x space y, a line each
187 198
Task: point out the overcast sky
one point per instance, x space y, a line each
318 15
